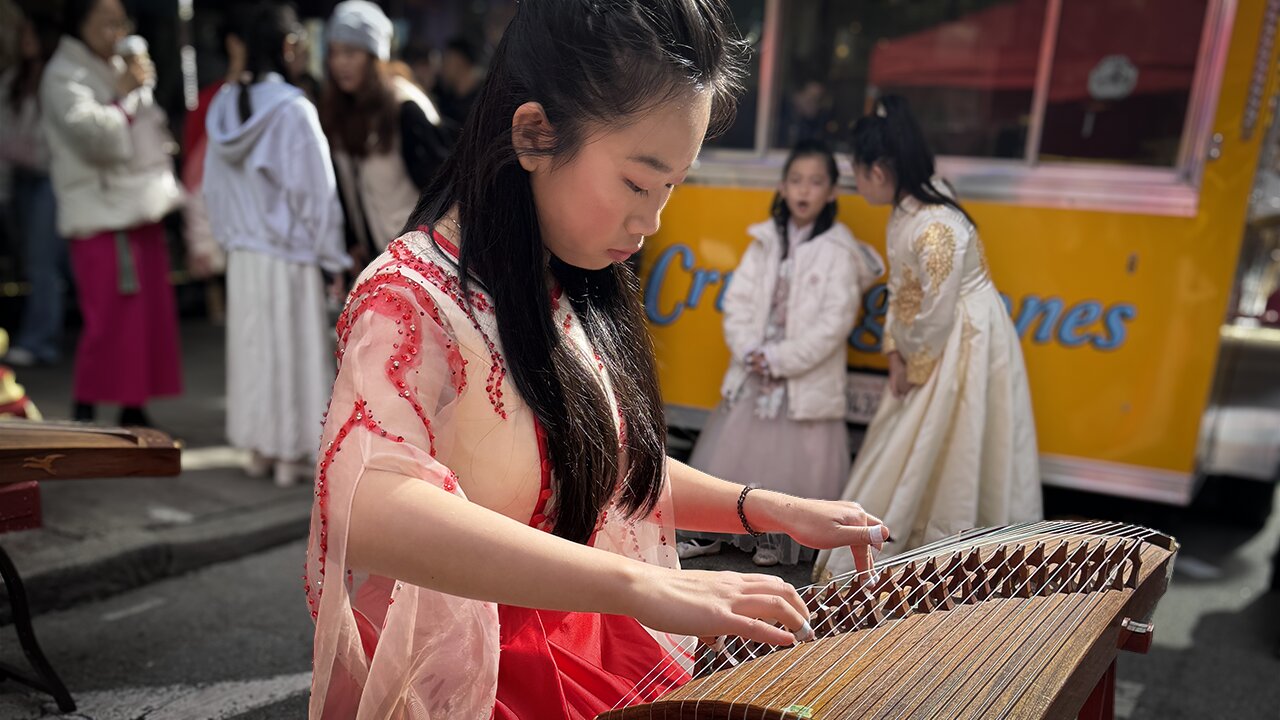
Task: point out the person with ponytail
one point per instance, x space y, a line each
493 533
273 206
953 444
788 313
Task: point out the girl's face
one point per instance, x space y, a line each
597 208
875 183
104 26
349 65
807 188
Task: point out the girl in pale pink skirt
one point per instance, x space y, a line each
787 317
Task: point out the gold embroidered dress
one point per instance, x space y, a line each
959 451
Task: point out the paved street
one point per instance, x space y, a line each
181 599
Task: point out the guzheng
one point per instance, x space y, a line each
1013 622
40 451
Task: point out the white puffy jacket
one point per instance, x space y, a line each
828 276
111 159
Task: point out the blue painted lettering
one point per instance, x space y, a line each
658 276
1047 310
1037 319
701 280
869 334
1076 319
724 288
1114 322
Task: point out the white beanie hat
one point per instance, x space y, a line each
363 24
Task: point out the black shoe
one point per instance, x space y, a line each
135 417
82 412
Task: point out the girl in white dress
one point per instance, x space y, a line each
953 445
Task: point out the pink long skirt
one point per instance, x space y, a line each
128 350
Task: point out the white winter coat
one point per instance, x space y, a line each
111 159
828 276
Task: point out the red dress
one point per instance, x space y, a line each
575 665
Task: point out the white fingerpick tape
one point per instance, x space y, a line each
877 534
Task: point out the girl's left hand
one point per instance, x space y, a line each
758 363
823 524
898 382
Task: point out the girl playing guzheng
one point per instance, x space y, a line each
494 524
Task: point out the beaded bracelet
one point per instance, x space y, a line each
742 515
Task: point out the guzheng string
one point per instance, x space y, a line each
714 690
1089 599
953 686
921 674
866 599
867 648
1072 620
1008 536
965 540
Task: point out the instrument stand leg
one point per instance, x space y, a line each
45 679
1101 704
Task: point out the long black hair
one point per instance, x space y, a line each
592 64
264 32
74 13
891 136
781 212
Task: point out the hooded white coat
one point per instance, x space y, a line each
268 182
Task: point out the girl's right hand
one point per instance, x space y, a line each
713 603
139 72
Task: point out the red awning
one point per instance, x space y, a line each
998 48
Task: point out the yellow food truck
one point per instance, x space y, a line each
1108 152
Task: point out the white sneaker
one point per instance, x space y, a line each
687 549
20 357
287 473
766 556
258 465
